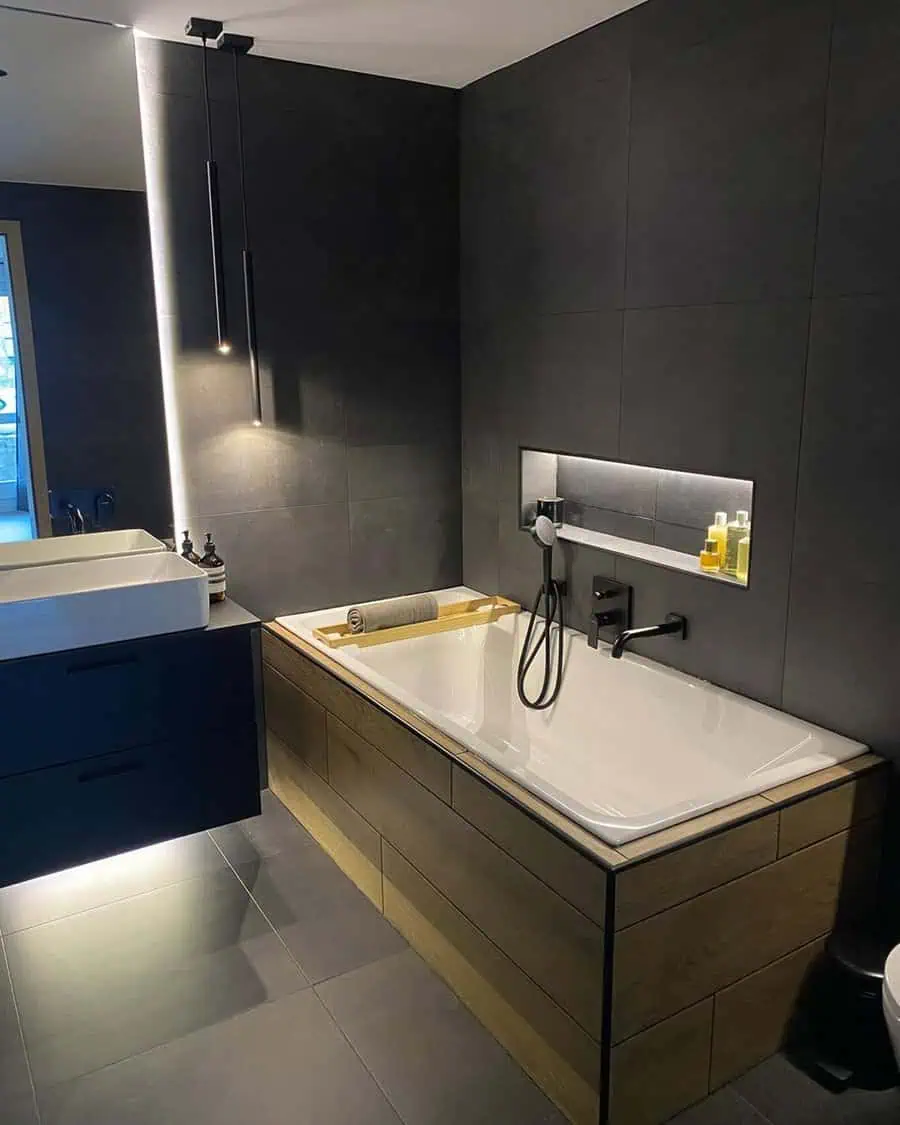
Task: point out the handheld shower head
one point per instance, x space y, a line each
543 532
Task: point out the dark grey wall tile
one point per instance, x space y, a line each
544 174
726 141
843 674
677 538
560 380
850 456
735 635
404 544
692 500
480 542
283 560
625 526
87 253
579 565
606 484
377 471
859 228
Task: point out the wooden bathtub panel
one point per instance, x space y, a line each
674 877
296 719
556 945
663 1070
830 812
571 874
752 1017
412 753
680 835
547 1043
353 844
671 960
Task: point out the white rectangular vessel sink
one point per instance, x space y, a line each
99 601
74 548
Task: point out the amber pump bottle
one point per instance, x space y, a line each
215 570
187 550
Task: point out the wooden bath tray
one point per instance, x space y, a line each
456 615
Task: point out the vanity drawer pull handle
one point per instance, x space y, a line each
104 772
99 665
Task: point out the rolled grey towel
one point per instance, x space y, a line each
388 615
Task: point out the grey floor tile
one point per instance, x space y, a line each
18 1110
435 1062
328 925
105 881
15 1083
787 1096
273 832
724 1107
284 1064
100 986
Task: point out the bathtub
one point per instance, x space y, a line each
629 748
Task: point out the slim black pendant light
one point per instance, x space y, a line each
205 30
239 45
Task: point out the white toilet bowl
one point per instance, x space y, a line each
890 996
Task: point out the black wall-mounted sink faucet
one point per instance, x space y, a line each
674 625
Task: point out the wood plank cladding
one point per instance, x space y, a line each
549 1045
555 944
296 719
412 753
824 814
675 877
572 875
668 961
351 842
752 1017
663 1070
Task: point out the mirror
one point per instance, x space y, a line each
82 424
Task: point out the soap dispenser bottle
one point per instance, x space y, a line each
215 570
738 529
718 533
187 550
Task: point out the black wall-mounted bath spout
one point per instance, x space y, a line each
673 625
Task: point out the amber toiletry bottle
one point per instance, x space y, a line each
215 570
187 550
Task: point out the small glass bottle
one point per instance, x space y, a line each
718 533
215 570
743 560
737 530
709 557
187 550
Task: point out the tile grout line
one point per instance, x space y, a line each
12 991
763 1120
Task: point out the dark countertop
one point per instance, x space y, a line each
228 614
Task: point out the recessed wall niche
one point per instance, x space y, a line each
660 516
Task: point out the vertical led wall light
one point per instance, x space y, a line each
240 45
204 30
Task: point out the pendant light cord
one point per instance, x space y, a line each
206 105
240 142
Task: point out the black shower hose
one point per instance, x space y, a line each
552 597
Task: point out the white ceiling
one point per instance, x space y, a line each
446 42
69 106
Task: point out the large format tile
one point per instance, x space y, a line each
786 1096
329 926
283 560
108 880
284 1062
19 1110
273 832
725 1107
859 228
431 1057
726 141
100 986
409 469
15 1081
543 174
403 544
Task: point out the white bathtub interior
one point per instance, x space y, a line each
629 748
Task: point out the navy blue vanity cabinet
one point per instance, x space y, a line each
110 748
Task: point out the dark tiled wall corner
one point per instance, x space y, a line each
748 166
90 285
351 489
